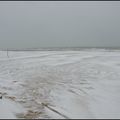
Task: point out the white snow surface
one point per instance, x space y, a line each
60 84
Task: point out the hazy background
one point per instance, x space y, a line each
31 24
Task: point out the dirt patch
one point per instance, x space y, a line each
30 114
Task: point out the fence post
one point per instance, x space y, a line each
7 53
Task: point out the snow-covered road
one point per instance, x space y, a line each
61 84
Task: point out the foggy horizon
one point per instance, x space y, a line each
43 24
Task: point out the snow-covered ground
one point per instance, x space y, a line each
60 84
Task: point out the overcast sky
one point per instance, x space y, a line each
31 24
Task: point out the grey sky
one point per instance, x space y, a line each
30 24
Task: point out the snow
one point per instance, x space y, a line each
60 84
8 109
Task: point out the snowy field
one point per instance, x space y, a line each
60 84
